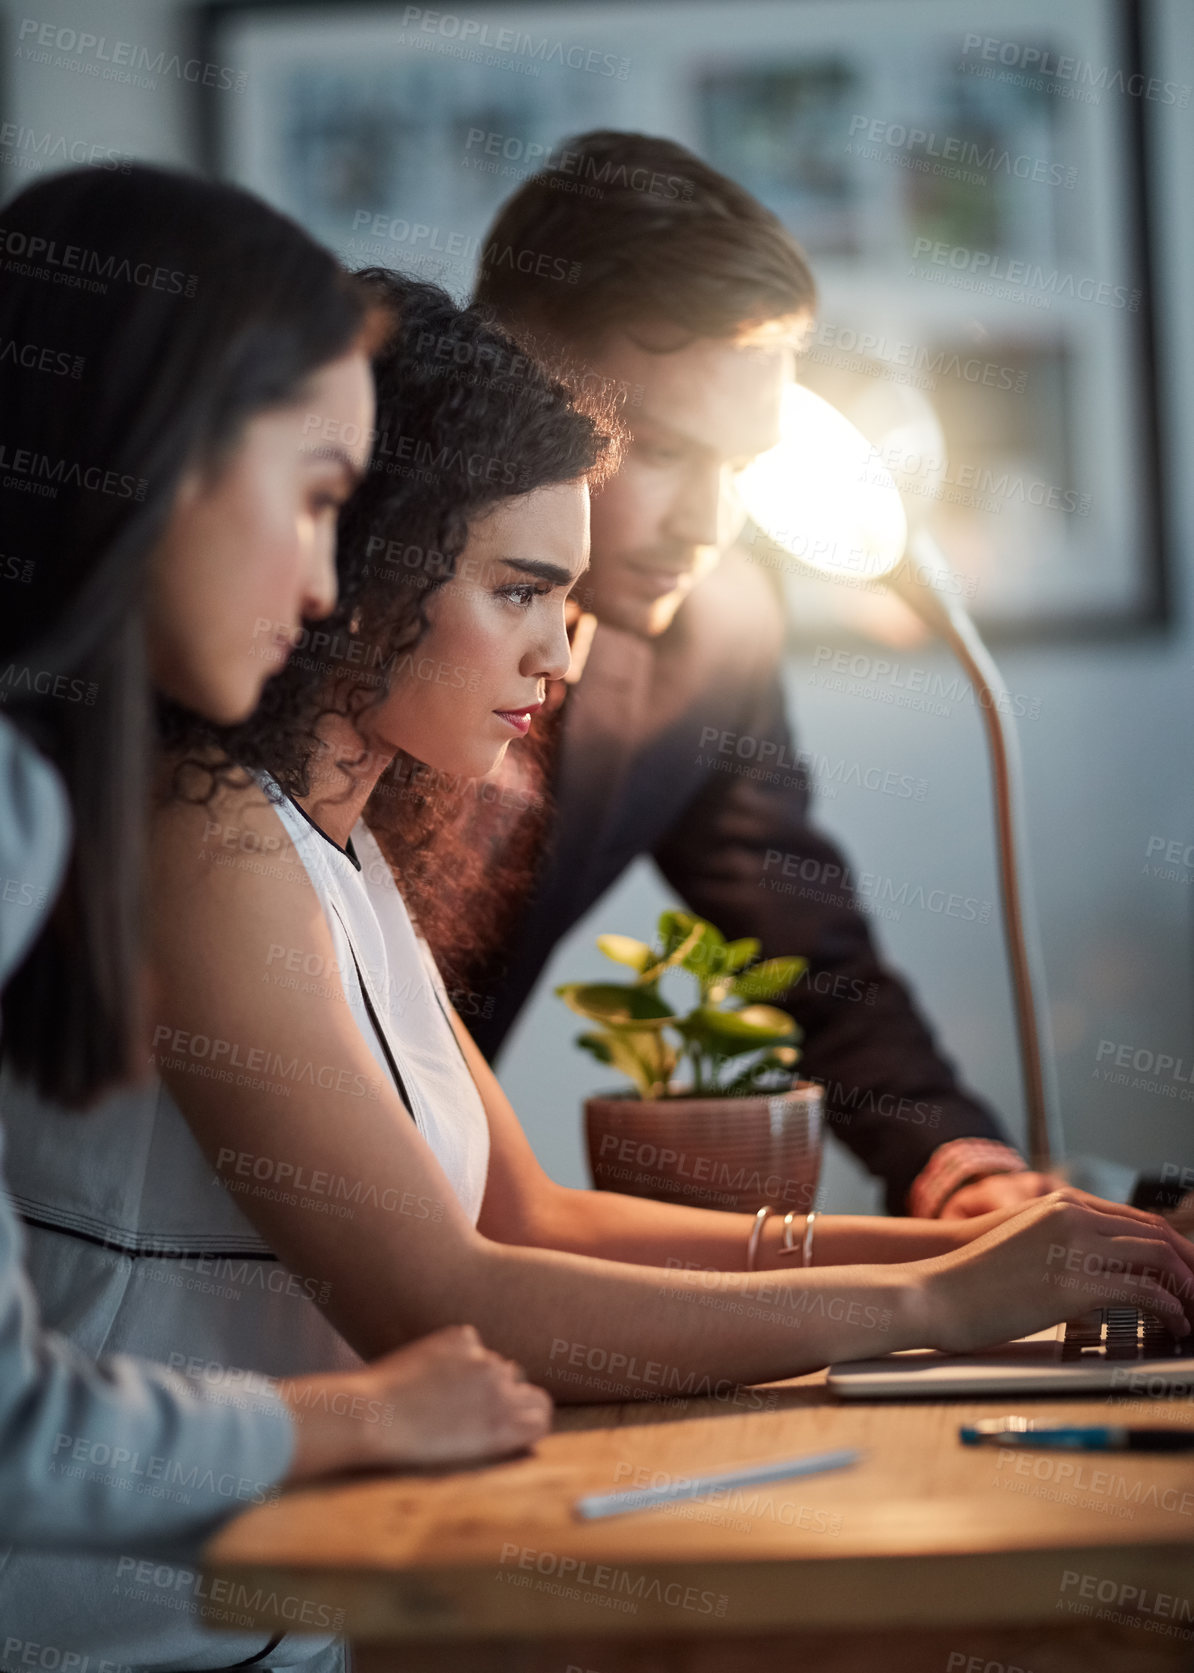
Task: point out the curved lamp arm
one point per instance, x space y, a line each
924 581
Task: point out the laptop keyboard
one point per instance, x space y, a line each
1122 1333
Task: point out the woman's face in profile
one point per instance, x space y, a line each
496 634
249 549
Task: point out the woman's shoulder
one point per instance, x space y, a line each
223 847
220 807
35 836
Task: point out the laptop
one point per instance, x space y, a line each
1113 1350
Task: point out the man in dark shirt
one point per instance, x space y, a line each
677 295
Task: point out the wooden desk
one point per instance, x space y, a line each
928 1557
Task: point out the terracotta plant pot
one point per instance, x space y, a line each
730 1153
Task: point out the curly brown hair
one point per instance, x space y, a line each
466 418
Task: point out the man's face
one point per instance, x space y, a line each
706 411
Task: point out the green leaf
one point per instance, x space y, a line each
597 1045
770 978
673 928
644 1058
616 1004
727 1033
765 1019
624 949
781 1059
703 952
741 952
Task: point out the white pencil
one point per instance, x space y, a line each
594 1505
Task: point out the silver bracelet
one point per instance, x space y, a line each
788 1246
806 1253
756 1232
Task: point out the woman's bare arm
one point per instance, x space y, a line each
315 1109
523 1204
316 1115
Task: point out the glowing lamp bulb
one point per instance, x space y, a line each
823 493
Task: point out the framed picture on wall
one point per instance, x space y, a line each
965 175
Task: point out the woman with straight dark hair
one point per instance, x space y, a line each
317 1086
131 1176
180 355
180 310
295 875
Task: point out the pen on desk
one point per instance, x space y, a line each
1074 1437
594 1505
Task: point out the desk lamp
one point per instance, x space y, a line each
831 498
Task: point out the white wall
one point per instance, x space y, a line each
1109 763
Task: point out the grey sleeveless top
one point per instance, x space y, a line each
137 1245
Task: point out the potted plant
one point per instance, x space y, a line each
715 1117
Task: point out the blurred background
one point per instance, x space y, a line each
995 200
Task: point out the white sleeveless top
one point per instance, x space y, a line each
388 973
135 1246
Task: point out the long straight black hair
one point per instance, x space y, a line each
144 318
